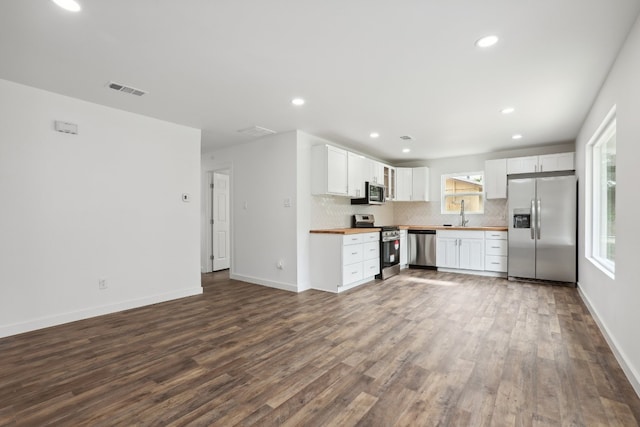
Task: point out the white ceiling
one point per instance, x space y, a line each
404 67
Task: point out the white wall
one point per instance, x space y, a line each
103 203
263 174
614 303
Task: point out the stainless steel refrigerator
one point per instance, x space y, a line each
543 228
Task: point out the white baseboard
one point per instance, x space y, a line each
629 371
72 316
263 282
473 272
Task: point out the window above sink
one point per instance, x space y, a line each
467 186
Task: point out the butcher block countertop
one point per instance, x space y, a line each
442 227
346 230
404 227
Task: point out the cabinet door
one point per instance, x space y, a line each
356 165
377 172
522 165
337 165
404 249
404 184
420 183
495 178
472 254
556 162
329 170
390 182
447 252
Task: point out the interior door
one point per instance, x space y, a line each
220 235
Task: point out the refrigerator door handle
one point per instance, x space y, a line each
532 225
539 220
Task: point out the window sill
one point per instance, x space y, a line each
602 267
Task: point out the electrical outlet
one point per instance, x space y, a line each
102 283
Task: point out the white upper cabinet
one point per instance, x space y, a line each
412 184
357 167
495 178
420 182
542 163
390 182
404 184
329 166
556 162
522 165
377 173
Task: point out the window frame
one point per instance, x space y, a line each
593 197
444 194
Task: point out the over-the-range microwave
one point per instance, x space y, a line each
374 194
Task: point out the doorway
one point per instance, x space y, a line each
218 214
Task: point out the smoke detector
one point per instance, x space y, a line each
256 131
126 89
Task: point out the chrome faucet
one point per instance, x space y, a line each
463 221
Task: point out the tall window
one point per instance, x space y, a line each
463 186
601 195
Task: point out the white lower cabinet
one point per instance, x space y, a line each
340 262
460 249
404 249
496 250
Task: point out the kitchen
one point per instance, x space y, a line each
110 218
460 244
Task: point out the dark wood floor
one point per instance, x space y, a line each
422 348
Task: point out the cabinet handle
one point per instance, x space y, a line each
354 253
495 263
495 247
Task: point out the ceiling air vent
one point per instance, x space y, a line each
126 89
406 137
257 131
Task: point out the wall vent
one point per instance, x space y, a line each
126 89
406 137
256 131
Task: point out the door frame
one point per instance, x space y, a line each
205 232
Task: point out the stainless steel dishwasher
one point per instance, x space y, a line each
422 248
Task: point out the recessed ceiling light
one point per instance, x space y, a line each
374 134
70 5
487 41
507 110
406 150
297 101
516 136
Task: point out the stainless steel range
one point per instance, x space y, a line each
389 245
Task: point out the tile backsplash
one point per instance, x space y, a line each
428 213
336 212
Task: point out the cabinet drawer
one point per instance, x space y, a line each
495 247
352 253
495 235
371 267
460 234
371 237
352 273
351 239
495 263
371 250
